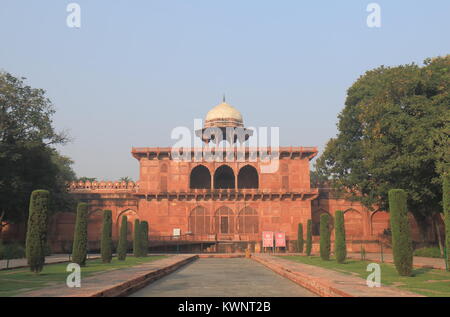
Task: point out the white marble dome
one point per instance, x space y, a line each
224 115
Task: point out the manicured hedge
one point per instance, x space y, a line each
308 237
340 248
123 243
401 235
325 243
143 231
136 239
36 240
446 205
300 240
79 249
106 243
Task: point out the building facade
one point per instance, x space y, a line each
222 204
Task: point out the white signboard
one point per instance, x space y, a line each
176 232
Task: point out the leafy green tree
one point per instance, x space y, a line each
300 240
28 159
401 235
325 243
106 243
37 230
123 243
446 205
340 248
143 233
394 133
136 239
79 251
308 237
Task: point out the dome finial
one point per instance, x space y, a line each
223 99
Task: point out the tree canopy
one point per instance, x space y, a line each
28 159
394 133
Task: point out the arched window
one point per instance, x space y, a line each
200 221
248 221
224 220
248 177
224 178
353 223
200 178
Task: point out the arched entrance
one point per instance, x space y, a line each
224 221
248 177
199 221
200 178
248 221
224 178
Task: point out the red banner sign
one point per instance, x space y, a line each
267 239
280 239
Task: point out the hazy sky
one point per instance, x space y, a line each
137 69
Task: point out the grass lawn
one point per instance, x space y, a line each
425 281
15 281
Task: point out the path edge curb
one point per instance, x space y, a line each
136 283
309 282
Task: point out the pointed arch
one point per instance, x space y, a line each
199 221
224 220
248 177
248 220
353 220
224 178
200 178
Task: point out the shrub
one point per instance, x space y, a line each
308 237
11 251
325 243
340 248
300 240
106 243
143 232
37 230
446 205
123 243
79 249
430 252
136 239
401 237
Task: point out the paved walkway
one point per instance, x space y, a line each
328 282
223 277
418 261
110 283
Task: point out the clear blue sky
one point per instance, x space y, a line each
137 69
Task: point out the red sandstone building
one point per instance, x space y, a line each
218 206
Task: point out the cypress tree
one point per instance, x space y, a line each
136 239
143 232
446 205
340 248
308 237
325 237
106 243
300 241
401 237
123 243
79 249
36 239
